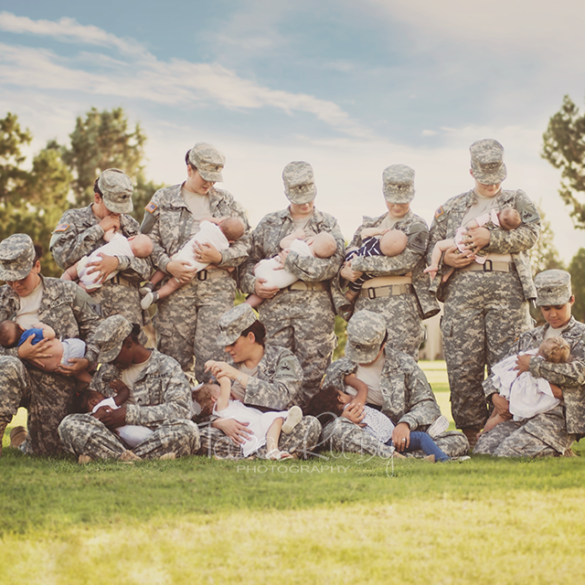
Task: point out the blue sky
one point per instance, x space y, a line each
351 87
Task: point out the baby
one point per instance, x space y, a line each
330 402
90 401
323 245
528 396
508 219
13 335
265 426
217 231
139 246
391 243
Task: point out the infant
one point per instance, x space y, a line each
90 401
323 245
508 219
13 335
528 396
139 246
219 232
376 242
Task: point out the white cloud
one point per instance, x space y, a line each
429 132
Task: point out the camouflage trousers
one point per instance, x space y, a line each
405 330
544 435
117 299
187 322
304 323
83 434
46 396
484 313
344 436
214 443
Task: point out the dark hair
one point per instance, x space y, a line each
38 253
79 401
135 333
325 405
188 162
259 331
96 188
7 329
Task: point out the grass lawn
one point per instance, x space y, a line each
346 519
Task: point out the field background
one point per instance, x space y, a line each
346 519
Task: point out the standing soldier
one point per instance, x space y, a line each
299 317
486 305
187 319
81 231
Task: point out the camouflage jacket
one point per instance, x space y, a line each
161 393
266 244
516 242
408 398
411 260
80 234
64 306
570 376
168 222
278 381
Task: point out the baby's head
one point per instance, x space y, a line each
85 401
327 404
206 396
232 228
555 350
10 333
509 219
393 243
141 245
323 245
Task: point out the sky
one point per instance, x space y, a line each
351 87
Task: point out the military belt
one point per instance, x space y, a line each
211 274
378 281
314 286
386 291
490 266
121 280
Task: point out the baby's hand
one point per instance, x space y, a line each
118 386
369 232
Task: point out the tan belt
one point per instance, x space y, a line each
386 291
211 274
314 286
121 280
379 281
490 266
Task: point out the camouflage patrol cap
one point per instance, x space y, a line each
553 287
299 182
109 337
487 161
208 161
234 322
365 333
17 256
116 187
398 184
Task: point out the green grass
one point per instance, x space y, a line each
340 520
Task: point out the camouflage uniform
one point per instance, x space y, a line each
78 234
276 386
187 320
484 311
300 320
553 432
408 398
46 396
162 399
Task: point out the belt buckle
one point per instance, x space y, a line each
202 275
371 293
491 264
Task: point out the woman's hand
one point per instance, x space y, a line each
282 256
112 417
79 364
351 412
206 253
181 270
456 259
105 267
236 431
263 291
401 436
523 364
222 369
477 238
501 406
110 222
557 392
347 273
34 353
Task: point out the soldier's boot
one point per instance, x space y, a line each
3 426
471 434
17 437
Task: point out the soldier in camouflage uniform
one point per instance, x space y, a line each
160 400
553 432
398 289
486 305
187 320
27 298
81 231
406 397
267 378
299 317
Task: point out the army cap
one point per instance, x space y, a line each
365 333
109 337
398 184
299 182
116 187
553 288
487 161
17 256
208 161
234 322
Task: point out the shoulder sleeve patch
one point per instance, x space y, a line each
62 227
151 207
439 212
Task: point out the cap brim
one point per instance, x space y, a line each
107 357
302 199
399 198
224 339
119 207
12 275
361 356
211 177
552 301
489 178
